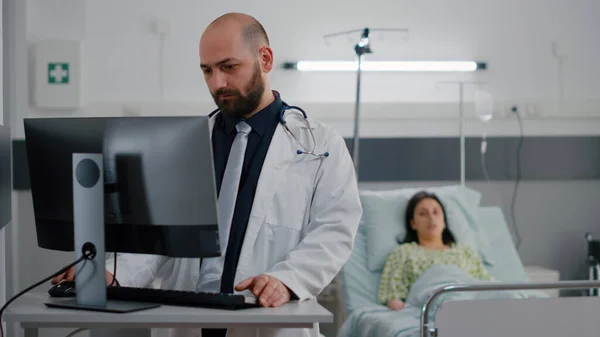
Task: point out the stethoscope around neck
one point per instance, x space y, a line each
304 150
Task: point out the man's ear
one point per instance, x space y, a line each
265 55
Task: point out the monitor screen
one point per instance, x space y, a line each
159 182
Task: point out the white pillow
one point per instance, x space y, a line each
383 218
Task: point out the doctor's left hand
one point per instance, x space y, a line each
268 289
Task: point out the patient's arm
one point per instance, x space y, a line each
476 266
394 283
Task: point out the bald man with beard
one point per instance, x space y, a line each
295 215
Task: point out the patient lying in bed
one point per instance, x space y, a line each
428 242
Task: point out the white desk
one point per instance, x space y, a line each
30 311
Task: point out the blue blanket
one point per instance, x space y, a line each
379 321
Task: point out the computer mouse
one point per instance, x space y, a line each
63 289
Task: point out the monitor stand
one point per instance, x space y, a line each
88 214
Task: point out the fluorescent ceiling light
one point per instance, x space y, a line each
425 66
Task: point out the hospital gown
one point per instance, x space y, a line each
408 261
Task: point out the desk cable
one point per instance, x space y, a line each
114 275
89 252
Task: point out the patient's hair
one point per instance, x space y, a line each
411 234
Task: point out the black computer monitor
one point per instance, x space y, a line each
159 183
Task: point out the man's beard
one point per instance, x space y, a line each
237 105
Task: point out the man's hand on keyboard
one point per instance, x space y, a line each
69 275
268 289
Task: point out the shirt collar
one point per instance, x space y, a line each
260 121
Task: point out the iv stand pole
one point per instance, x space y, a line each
361 48
461 128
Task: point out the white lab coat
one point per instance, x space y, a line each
301 228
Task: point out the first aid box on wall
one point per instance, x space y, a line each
57 72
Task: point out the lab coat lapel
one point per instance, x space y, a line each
276 162
273 171
211 125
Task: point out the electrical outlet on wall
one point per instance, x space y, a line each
510 108
160 26
532 109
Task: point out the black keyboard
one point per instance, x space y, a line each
182 298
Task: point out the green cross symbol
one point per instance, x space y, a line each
58 73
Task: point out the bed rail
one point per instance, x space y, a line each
426 331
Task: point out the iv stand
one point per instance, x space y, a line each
361 48
461 128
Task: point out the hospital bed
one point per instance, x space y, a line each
445 307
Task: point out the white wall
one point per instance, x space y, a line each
1 70
121 56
